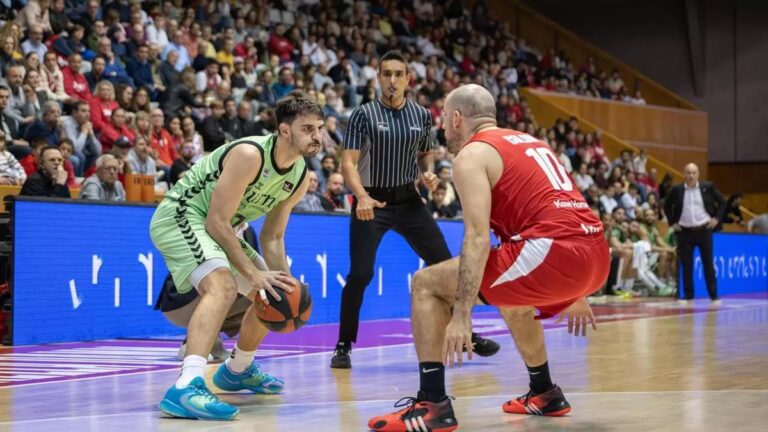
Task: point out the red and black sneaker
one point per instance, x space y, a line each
417 416
551 403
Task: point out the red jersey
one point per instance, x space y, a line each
535 197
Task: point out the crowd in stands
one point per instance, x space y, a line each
99 89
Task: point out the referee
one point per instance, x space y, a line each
386 149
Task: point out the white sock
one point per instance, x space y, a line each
193 367
240 359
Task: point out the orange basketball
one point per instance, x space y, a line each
290 313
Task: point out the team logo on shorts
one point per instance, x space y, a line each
287 186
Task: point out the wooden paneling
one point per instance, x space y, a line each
740 177
547 112
543 34
669 126
674 157
756 202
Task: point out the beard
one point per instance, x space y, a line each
311 149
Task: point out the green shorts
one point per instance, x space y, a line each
185 244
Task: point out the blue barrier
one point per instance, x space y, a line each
741 265
89 271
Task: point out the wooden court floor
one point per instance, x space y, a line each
699 370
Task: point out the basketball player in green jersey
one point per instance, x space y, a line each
194 229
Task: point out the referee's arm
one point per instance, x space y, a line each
426 157
353 143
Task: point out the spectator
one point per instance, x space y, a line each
285 83
666 253
53 79
312 201
758 224
104 185
437 206
49 127
75 84
13 141
183 60
114 70
66 149
733 210
183 163
608 201
582 178
630 200
102 106
116 129
17 101
191 136
208 78
161 142
230 122
140 70
35 41
11 171
50 179
212 132
35 12
140 160
79 130
96 74
179 98
334 198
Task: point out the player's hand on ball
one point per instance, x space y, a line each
458 335
264 282
579 315
430 181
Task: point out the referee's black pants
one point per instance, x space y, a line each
687 240
407 215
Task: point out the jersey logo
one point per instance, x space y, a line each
416 128
383 126
287 186
520 139
265 173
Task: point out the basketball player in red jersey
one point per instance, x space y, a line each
552 254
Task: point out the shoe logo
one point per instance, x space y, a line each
416 424
425 370
533 373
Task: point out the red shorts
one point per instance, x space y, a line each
547 274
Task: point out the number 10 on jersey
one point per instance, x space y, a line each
551 167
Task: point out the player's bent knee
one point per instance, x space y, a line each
220 284
518 314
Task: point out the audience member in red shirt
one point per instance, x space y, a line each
279 44
75 84
102 105
116 129
67 148
160 140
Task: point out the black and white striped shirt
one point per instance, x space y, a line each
389 141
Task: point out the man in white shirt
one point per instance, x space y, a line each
694 208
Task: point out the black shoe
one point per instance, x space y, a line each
341 356
482 346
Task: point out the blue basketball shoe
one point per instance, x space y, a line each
252 379
195 401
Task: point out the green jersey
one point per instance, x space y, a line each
178 225
270 187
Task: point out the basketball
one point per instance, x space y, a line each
290 313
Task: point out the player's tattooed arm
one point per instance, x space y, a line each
474 189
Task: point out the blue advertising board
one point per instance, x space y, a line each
90 271
741 265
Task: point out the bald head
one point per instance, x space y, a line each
691 174
473 101
468 109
